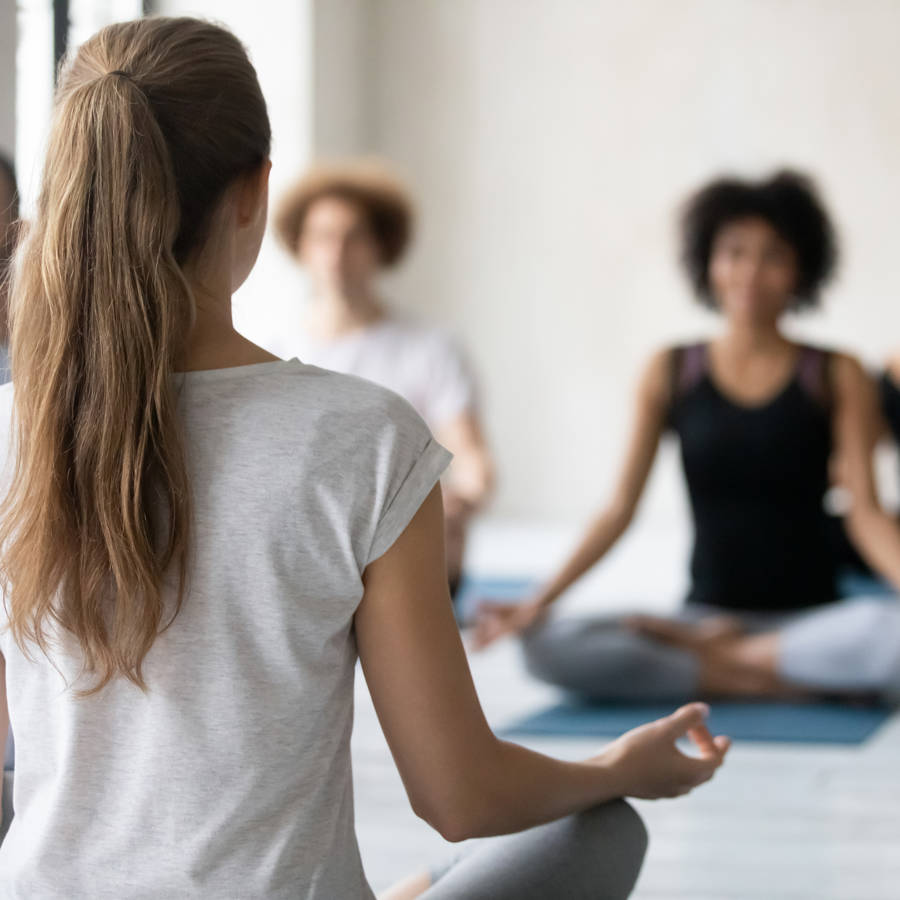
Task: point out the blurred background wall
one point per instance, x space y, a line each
549 143
7 74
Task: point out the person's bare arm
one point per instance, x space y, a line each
498 619
611 524
875 534
459 777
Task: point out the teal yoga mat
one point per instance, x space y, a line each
800 723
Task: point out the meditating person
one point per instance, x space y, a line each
762 421
198 541
346 223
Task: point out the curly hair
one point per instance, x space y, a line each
789 201
366 184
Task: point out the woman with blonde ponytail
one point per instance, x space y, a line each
198 540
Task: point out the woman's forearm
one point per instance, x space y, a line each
511 788
521 788
877 537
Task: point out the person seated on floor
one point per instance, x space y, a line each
198 541
760 419
345 223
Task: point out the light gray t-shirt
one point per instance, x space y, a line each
230 777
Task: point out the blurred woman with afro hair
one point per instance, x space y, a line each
764 423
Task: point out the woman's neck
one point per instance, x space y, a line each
750 339
213 342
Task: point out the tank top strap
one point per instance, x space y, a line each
814 375
688 365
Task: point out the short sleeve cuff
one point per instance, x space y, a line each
424 475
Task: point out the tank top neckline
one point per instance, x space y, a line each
803 353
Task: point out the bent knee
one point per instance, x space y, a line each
543 648
616 832
593 658
620 823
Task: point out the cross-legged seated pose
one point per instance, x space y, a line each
198 541
761 422
345 224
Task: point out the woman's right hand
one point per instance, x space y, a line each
496 620
645 763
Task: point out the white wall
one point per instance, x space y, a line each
341 64
34 94
8 33
550 142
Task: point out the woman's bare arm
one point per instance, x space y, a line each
649 422
875 534
458 775
496 620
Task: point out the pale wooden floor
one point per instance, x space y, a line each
780 822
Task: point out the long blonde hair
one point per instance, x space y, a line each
153 120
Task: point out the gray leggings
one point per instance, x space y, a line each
7 813
850 646
595 855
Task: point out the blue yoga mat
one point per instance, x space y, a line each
801 723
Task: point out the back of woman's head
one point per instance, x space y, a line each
154 120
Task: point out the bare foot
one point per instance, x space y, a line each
745 666
732 663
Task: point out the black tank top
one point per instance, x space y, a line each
757 479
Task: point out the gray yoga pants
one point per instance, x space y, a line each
849 646
594 855
7 813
